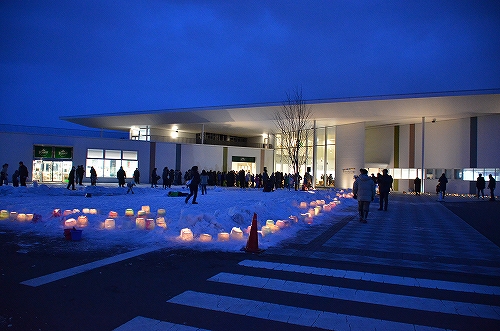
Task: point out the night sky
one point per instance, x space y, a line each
65 58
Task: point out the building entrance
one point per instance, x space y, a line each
51 171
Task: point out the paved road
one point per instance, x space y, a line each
423 265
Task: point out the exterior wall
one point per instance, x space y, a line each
379 147
164 156
488 142
244 151
208 157
350 148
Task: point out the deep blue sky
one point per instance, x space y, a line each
64 58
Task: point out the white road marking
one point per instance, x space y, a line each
380 278
42 280
372 297
289 314
149 324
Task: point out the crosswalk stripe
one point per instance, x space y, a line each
289 314
379 278
149 324
372 297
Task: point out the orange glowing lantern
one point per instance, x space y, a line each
67 212
141 213
86 210
160 221
236 233
82 221
303 205
70 222
21 217
109 224
140 223
129 212
205 237
280 224
161 213
150 224
223 236
56 213
29 217
266 230
93 211
327 208
293 218
312 204
146 209
186 234
113 214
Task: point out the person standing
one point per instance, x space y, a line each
193 185
137 175
79 174
154 178
480 185
203 182
492 183
121 175
417 182
4 175
384 187
23 173
71 178
442 185
364 191
93 176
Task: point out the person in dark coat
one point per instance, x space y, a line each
93 176
193 185
442 184
164 177
79 174
154 178
417 184
23 173
15 178
71 179
364 191
121 175
137 176
384 187
492 183
480 185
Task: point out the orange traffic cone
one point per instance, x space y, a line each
253 239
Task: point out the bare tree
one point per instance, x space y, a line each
292 121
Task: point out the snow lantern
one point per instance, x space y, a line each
223 236
303 205
70 222
160 221
293 218
141 213
93 211
29 217
312 204
150 224
68 212
56 213
82 221
186 234
140 223
146 209
86 210
4 214
21 217
161 212
76 211
205 237
274 228
236 233
327 208
317 210
280 224
113 214
109 223
269 223
266 230
129 212
13 215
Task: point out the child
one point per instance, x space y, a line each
130 186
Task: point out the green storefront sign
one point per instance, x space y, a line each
243 159
53 152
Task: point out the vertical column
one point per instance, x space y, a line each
315 154
395 184
152 157
350 153
178 156
473 151
422 173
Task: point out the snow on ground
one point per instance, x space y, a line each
218 211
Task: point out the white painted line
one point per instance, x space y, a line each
289 314
379 278
149 324
42 280
372 297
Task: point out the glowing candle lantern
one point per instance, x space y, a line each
113 214
21 217
93 211
67 212
223 236
205 237
310 212
140 223
141 213
70 222
160 221
312 204
146 209
29 217
129 212
13 215
317 210
150 224
236 233
293 218
308 220
86 210
186 234
322 202
327 208
109 224
269 223
82 221
75 211
4 214
56 213
266 230
161 212
303 205
280 224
